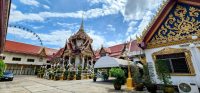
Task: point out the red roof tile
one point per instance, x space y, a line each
116 50
134 46
18 47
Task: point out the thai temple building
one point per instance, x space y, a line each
77 52
26 59
117 51
174 36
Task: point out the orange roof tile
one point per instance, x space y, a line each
18 47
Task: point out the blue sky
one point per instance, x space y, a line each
108 22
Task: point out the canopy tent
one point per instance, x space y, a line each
107 62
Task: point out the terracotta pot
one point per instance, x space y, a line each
117 86
152 88
94 79
169 89
139 87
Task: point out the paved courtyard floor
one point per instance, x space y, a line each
32 84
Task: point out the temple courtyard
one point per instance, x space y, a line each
32 84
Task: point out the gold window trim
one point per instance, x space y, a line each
187 53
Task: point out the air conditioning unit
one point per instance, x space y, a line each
185 87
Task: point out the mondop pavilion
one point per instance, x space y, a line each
174 36
77 55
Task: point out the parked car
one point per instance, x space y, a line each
7 75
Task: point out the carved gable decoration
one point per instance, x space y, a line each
43 52
182 22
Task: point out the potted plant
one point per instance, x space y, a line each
137 77
71 75
94 77
119 75
148 79
78 75
164 75
65 75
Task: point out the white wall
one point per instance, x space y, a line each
195 52
24 57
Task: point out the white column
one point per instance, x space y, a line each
92 63
21 69
69 60
87 62
83 62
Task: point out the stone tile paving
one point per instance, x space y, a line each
32 84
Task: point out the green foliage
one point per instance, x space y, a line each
119 74
79 67
2 67
105 75
162 71
71 75
41 71
66 73
136 75
78 75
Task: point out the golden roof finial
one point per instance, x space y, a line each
81 28
139 40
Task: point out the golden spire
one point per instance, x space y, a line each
81 28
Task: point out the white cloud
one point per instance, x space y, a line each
111 28
46 6
30 2
57 37
38 27
112 43
142 25
137 10
110 7
131 27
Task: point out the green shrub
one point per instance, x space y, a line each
2 67
163 71
119 74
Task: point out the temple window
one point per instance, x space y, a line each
41 59
103 54
30 60
176 62
16 59
3 57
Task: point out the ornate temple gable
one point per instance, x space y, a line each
79 43
42 52
167 26
179 26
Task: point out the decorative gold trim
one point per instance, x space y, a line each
189 2
172 43
146 30
187 53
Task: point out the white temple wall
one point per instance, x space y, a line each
195 52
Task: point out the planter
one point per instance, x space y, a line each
94 79
78 78
139 87
151 88
117 86
169 89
